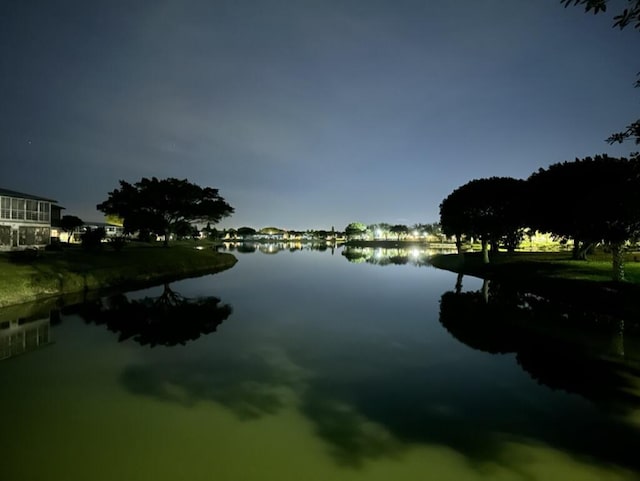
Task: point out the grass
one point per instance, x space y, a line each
555 274
53 273
528 265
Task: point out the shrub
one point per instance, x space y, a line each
117 243
92 238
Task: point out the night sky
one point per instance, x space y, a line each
305 114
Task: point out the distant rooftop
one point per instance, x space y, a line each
13 193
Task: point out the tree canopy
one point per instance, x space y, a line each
355 229
628 16
70 223
489 209
246 231
399 230
595 199
162 206
590 200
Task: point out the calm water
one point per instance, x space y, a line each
316 365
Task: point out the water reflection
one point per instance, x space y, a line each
247 247
562 347
377 383
21 335
381 256
382 411
167 320
261 383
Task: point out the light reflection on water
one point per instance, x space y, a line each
326 369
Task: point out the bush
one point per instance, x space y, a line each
55 246
117 243
92 238
24 256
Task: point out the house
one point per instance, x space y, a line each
110 230
25 220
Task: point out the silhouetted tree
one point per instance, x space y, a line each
590 199
490 210
69 223
92 238
162 205
355 229
629 16
246 231
399 230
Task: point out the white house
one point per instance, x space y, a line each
25 220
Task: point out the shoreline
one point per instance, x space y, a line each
572 282
76 273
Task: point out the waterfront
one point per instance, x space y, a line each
304 364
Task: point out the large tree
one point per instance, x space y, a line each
161 206
355 230
628 16
590 200
399 230
69 223
490 210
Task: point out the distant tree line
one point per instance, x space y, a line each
590 201
397 232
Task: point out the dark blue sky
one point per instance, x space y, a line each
305 114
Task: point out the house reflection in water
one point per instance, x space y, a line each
18 336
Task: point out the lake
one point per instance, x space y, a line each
334 364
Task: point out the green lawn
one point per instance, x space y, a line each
74 269
555 274
532 265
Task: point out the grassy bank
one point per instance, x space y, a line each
76 270
555 274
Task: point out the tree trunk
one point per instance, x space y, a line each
166 238
617 343
459 246
485 251
459 282
581 249
494 248
617 256
576 249
485 290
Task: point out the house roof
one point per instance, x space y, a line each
13 193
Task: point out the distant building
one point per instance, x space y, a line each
110 230
25 220
75 237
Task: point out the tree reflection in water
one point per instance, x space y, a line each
417 256
167 320
559 345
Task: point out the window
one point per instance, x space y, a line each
17 209
32 210
34 236
5 235
44 214
42 235
5 208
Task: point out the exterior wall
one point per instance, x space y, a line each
24 223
